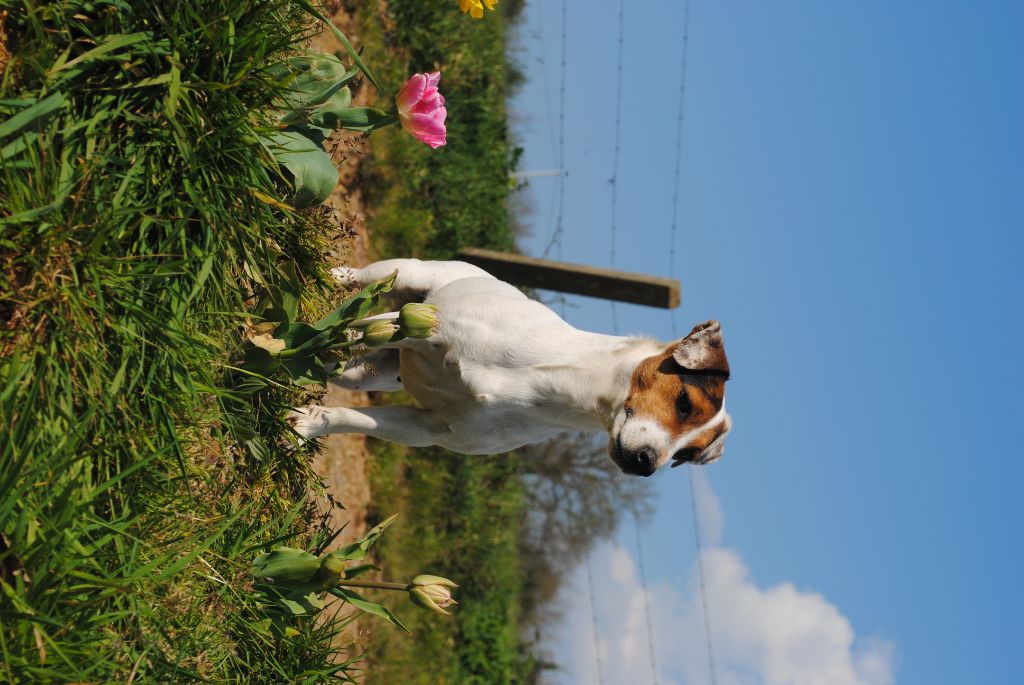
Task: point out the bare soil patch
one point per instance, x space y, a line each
342 461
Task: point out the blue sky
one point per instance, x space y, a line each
852 211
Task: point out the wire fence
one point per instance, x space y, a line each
555 242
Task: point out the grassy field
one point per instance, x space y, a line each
460 517
136 483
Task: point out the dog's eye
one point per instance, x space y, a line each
683 405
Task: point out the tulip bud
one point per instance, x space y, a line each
331 564
379 333
332 569
418 320
432 592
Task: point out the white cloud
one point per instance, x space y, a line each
779 635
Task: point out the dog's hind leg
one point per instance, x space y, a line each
415 279
404 425
376 370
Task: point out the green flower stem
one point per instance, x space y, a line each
343 345
378 584
363 323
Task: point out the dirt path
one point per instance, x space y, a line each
342 462
343 459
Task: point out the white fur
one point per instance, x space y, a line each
501 370
639 432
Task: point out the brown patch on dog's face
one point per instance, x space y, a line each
673 411
676 401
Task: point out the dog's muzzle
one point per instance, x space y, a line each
641 463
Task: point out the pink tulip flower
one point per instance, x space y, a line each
421 109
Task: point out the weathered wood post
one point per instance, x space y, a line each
578 279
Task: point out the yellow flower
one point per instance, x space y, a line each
476 7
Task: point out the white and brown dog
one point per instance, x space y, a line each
502 371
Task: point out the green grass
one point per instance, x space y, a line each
135 486
460 517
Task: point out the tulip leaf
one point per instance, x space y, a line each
357 306
316 134
362 118
367 606
297 334
312 174
285 564
359 549
305 340
305 370
321 119
260 361
284 298
311 79
326 115
300 606
313 600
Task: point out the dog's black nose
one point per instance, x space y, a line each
646 462
642 462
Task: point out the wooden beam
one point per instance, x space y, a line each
530 272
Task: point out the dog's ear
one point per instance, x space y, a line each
703 350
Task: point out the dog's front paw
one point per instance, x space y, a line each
345 276
309 421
